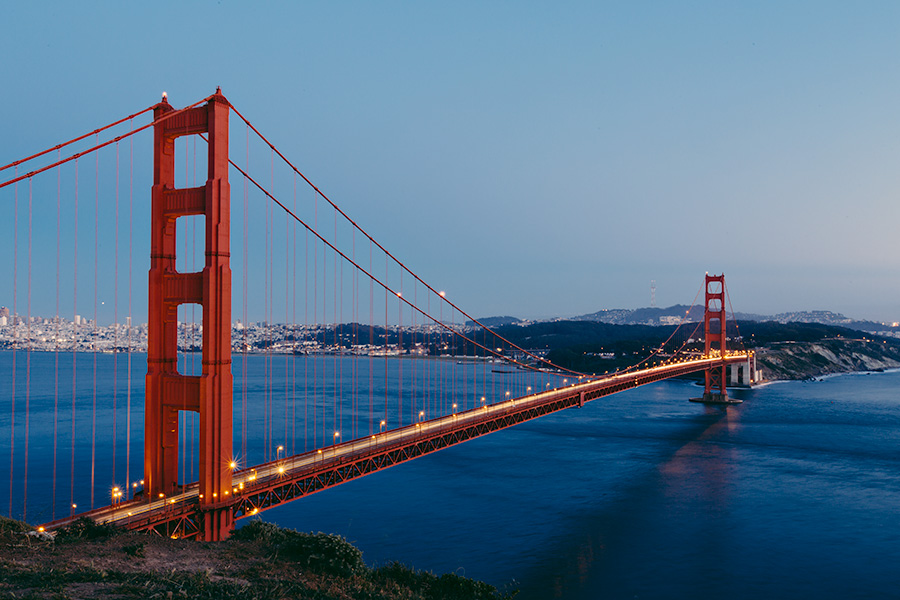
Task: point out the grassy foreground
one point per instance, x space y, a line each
261 561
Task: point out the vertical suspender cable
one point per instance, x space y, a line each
292 229
180 337
266 441
270 265
334 317
94 326
371 345
355 343
315 429
244 451
27 361
76 325
305 333
15 317
129 320
56 344
191 414
287 279
400 354
116 325
324 324
385 361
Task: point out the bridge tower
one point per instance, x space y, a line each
714 336
168 391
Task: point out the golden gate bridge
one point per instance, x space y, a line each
364 364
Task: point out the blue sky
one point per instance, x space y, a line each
533 159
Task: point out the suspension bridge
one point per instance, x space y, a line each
322 356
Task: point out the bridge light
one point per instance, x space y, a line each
232 465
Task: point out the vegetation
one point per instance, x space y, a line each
261 561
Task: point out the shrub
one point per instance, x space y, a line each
84 528
320 553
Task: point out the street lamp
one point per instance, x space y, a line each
382 425
278 452
422 413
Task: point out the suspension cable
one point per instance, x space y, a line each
78 139
78 155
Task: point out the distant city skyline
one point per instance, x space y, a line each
529 159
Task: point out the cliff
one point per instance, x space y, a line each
805 360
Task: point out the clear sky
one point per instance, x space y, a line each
533 159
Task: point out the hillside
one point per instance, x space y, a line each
260 562
784 350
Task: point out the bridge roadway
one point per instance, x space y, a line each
276 482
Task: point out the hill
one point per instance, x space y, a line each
784 350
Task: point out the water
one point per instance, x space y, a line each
794 493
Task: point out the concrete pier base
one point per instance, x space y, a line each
715 398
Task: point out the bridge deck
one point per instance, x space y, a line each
274 483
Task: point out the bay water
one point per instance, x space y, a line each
793 493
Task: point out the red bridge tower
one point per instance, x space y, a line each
714 336
168 391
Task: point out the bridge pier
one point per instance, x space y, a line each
743 374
